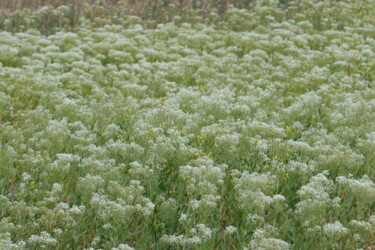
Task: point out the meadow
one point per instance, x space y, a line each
248 129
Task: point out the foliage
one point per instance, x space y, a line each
250 131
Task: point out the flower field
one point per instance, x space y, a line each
250 130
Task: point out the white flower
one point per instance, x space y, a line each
202 231
44 239
26 176
182 218
335 230
57 231
122 247
230 230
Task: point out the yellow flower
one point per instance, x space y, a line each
256 141
202 88
288 129
200 138
289 153
162 99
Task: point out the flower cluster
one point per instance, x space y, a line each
254 131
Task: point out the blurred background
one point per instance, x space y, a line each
49 16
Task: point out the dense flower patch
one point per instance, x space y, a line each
254 133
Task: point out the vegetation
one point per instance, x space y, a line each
242 129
